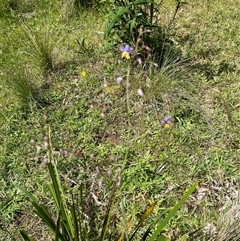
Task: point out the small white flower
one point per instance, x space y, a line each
148 49
119 79
46 145
140 92
100 183
38 149
139 60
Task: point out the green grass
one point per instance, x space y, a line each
93 132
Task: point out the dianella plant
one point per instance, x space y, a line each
137 22
68 223
127 18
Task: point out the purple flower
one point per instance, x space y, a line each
166 122
126 51
127 48
166 119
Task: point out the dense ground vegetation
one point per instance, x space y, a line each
60 86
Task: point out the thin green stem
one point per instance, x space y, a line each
128 117
127 99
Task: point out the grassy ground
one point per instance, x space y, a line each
96 128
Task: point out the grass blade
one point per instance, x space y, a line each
40 210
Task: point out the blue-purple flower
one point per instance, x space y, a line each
127 51
166 122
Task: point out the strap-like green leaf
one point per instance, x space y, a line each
138 2
26 237
148 231
40 210
75 221
143 218
172 212
28 194
163 238
57 232
132 25
67 224
108 213
184 237
113 20
56 187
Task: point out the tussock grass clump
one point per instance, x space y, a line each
17 6
225 228
27 88
41 47
71 8
23 86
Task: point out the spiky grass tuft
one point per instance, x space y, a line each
21 83
41 47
